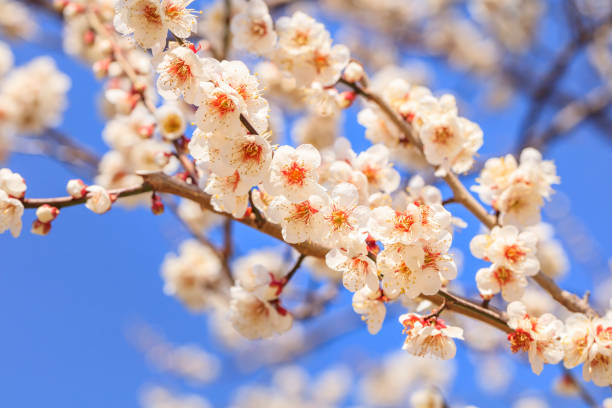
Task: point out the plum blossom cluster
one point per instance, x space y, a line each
385 243
449 141
517 190
513 257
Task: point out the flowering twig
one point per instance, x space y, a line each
461 195
61 202
293 270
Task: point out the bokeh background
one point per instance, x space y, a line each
70 302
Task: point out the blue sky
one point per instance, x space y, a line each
67 300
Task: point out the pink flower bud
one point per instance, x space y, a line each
40 228
47 213
76 188
345 99
353 72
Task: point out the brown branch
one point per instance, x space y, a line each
293 270
61 202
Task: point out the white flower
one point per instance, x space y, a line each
76 188
300 34
371 306
180 72
178 18
293 173
98 199
143 18
255 318
401 267
11 211
219 109
505 246
150 21
517 191
193 276
344 220
432 336
236 74
498 278
170 121
324 65
589 342
300 221
374 164
12 183
358 271
249 155
427 398
227 186
540 337
252 28
393 227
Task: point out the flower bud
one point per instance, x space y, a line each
353 72
47 213
76 188
345 99
40 228
156 205
98 201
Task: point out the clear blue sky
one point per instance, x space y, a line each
67 300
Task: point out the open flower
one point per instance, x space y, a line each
252 28
370 305
299 221
429 337
293 173
358 271
538 336
11 211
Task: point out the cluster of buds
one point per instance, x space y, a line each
44 215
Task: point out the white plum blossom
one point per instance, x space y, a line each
513 255
255 318
589 342
299 221
180 72
374 164
499 278
358 271
98 199
12 183
370 304
429 337
171 121
150 20
344 219
293 173
249 155
517 191
219 109
540 336
305 51
252 28
11 211
47 213
506 246
193 275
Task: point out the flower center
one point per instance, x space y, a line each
302 212
520 340
223 104
295 174
371 173
251 151
339 219
503 275
173 11
259 28
180 70
151 14
403 222
442 135
301 38
514 253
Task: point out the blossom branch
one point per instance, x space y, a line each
68 201
461 195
